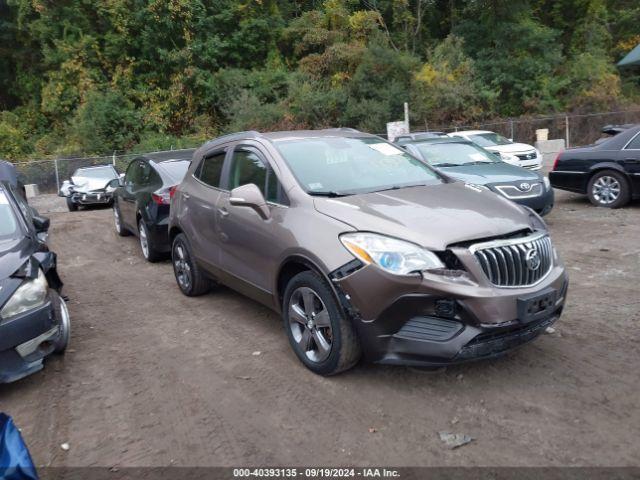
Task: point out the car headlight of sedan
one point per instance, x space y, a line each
390 254
547 183
31 294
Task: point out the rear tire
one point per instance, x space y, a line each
610 189
149 252
71 206
319 332
190 279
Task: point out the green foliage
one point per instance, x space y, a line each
96 76
106 121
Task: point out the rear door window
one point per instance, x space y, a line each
634 144
210 169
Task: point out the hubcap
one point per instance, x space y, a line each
144 242
310 324
181 267
606 190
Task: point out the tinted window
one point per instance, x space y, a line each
8 222
146 174
343 165
247 167
635 143
132 174
210 169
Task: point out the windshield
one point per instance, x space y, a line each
455 154
8 221
343 166
104 173
489 139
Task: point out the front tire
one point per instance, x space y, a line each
64 321
121 230
71 206
319 332
150 253
190 279
609 189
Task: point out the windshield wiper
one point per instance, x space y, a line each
446 164
331 194
398 187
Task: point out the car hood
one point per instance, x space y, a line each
511 148
86 184
431 216
499 172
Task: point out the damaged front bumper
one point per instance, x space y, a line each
25 341
91 198
433 320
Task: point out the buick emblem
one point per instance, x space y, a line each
525 187
532 259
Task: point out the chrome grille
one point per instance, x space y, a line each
522 190
510 263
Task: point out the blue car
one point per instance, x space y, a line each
468 162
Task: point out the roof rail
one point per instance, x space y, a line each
229 136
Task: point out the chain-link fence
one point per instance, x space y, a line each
49 174
573 129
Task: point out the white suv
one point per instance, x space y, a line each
519 154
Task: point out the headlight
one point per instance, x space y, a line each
31 294
506 157
547 183
392 255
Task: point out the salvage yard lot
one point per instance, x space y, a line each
153 378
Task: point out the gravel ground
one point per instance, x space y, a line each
153 378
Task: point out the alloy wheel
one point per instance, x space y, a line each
606 190
310 324
181 267
144 241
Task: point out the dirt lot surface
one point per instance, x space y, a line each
154 378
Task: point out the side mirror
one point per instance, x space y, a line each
250 196
41 224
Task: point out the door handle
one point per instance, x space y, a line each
186 196
223 212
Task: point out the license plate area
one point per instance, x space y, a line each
536 306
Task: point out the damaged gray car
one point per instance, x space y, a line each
34 320
89 186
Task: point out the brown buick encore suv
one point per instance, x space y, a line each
364 249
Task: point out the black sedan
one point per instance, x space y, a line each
608 172
142 200
34 320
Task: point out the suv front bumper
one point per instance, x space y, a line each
428 320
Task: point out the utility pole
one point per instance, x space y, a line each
406 116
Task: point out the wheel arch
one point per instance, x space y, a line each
599 167
292 266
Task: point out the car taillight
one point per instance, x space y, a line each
162 197
555 163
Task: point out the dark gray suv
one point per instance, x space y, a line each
364 249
